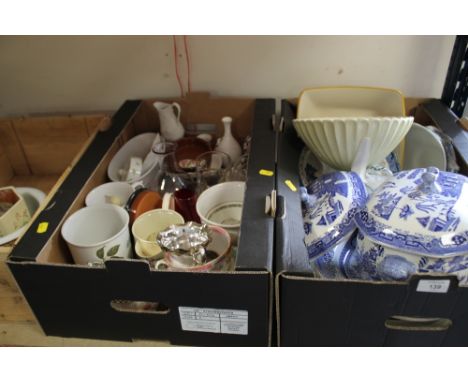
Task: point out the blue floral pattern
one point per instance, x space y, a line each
410 214
338 197
372 261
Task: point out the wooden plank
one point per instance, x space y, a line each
43 182
51 143
6 171
13 306
13 148
30 334
92 122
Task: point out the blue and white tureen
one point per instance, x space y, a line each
329 223
416 222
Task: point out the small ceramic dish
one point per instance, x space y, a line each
137 147
145 200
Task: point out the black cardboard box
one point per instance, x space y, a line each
69 300
320 312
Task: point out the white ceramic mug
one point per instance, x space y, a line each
146 228
220 244
97 233
221 205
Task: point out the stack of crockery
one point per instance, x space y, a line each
169 190
362 217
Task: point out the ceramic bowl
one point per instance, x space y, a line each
113 193
97 233
415 222
335 141
144 201
33 198
187 151
137 147
15 211
221 205
423 148
350 101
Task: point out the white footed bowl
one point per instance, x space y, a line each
335 140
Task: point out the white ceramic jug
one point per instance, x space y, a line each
228 144
171 127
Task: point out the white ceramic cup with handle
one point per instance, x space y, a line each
97 233
146 228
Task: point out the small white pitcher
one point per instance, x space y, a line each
171 127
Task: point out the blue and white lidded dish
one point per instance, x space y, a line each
329 220
416 222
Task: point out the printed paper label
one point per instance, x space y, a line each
433 286
209 320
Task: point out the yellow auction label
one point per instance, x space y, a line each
42 227
291 186
266 172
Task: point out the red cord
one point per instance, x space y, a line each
187 57
176 61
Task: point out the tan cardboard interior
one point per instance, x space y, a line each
197 108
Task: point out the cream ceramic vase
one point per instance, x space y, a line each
228 144
171 127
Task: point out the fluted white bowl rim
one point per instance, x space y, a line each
331 119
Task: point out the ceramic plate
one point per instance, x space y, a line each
33 198
423 148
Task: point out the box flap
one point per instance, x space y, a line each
257 228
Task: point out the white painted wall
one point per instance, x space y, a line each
55 74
